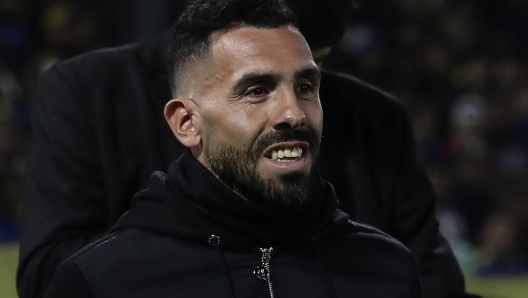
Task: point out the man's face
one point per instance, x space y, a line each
257 96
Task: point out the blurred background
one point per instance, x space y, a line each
460 65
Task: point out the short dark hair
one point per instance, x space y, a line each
323 22
191 38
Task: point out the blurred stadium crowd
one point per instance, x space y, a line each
460 65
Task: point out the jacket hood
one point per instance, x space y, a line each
190 203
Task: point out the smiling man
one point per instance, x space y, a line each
243 212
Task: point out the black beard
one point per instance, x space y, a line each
237 170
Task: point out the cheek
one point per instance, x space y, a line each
248 125
238 127
314 117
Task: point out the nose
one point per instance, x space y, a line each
288 112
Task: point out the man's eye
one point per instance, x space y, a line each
257 91
306 88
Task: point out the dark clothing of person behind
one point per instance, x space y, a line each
100 133
188 235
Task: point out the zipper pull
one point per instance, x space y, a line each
262 272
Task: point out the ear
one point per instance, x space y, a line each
180 116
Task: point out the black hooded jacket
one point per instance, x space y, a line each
188 235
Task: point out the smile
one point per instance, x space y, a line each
287 155
287 152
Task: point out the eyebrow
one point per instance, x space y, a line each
310 71
251 77
248 78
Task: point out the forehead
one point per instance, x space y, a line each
250 49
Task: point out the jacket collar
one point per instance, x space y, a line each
190 203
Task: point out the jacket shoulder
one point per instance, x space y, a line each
346 89
94 247
106 65
129 257
112 241
98 63
367 249
367 232
132 248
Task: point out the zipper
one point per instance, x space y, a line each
263 271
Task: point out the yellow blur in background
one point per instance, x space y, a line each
8 265
487 287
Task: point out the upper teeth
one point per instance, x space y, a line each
295 152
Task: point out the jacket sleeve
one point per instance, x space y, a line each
61 210
415 224
69 282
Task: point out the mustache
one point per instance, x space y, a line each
285 135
